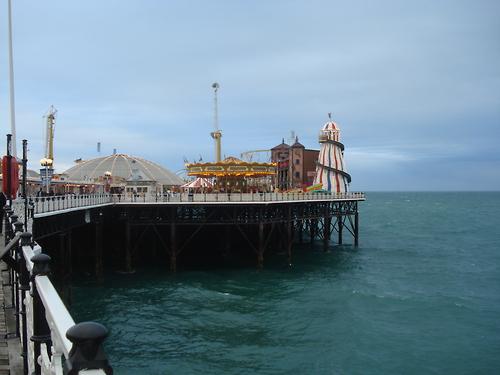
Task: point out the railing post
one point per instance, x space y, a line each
24 286
18 227
5 219
87 351
41 331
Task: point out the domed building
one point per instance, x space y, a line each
123 173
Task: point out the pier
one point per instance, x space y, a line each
173 224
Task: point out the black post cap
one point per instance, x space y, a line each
18 226
87 351
26 239
41 265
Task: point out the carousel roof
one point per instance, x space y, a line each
231 166
129 168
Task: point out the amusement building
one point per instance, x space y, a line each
296 165
120 173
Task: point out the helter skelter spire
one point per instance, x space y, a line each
330 169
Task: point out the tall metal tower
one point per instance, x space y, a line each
11 85
216 134
49 136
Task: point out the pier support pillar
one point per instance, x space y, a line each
301 230
128 248
356 228
173 248
227 243
260 249
289 242
289 235
98 250
327 222
340 224
312 229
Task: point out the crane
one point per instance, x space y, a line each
216 134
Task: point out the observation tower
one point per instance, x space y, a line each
330 168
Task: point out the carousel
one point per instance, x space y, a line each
233 175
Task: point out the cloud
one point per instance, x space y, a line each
409 83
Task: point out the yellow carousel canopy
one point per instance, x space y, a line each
231 167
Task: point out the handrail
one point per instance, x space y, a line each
234 197
58 316
42 205
52 344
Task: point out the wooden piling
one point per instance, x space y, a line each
173 248
327 222
301 230
289 235
312 229
340 226
356 228
260 248
128 248
99 269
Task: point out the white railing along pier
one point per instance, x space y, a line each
52 344
41 205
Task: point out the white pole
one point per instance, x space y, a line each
216 112
11 81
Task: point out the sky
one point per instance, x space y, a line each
414 86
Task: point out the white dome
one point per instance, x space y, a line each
124 166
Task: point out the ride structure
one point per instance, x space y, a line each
217 133
231 174
49 135
331 172
235 175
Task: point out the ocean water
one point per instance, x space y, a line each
420 295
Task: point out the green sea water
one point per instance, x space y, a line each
421 295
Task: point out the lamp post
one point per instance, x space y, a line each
47 164
107 179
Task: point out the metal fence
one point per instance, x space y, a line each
40 205
235 197
64 202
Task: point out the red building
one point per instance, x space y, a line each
296 165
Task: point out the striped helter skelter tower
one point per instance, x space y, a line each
330 168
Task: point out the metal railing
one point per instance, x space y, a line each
235 197
40 205
69 201
51 341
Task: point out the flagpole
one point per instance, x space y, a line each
11 83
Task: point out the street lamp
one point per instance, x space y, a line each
47 164
107 179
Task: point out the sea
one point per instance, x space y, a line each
420 295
